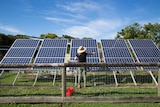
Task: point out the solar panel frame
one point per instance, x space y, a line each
116 52
145 51
55 53
20 58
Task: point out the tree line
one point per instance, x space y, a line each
134 31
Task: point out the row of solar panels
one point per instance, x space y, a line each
23 51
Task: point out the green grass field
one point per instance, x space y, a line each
23 87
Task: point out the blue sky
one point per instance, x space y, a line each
98 19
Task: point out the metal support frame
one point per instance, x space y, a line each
133 78
36 79
54 78
1 73
115 78
75 78
16 77
150 72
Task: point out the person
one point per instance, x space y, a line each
81 56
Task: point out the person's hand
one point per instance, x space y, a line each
93 52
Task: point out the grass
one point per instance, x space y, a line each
44 88
84 105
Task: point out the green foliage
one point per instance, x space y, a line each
136 31
68 37
6 39
49 35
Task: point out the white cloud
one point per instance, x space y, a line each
59 19
79 6
9 29
94 29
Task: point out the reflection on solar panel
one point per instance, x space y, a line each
21 52
51 51
91 46
145 51
116 51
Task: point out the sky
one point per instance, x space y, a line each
97 19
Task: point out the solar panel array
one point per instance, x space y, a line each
116 51
21 52
54 51
51 51
91 46
145 51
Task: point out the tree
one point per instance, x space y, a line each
20 36
49 35
68 37
136 31
130 32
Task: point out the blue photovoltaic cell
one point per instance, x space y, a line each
120 60
85 43
21 52
49 60
116 52
142 43
55 43
25 43
16 61
52 52
146 51
113 43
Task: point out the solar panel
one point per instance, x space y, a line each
116 51
25 43
113 43
84 42
91 46
145 51
120 60
21 52
54 43
51 51
142 43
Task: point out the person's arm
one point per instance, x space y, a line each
75 58
92 53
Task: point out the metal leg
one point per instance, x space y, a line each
1 73
84 77
133 78
153 78
54 79
36 78
75 76
16 77
115 78
94 79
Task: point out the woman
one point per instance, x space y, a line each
81 56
